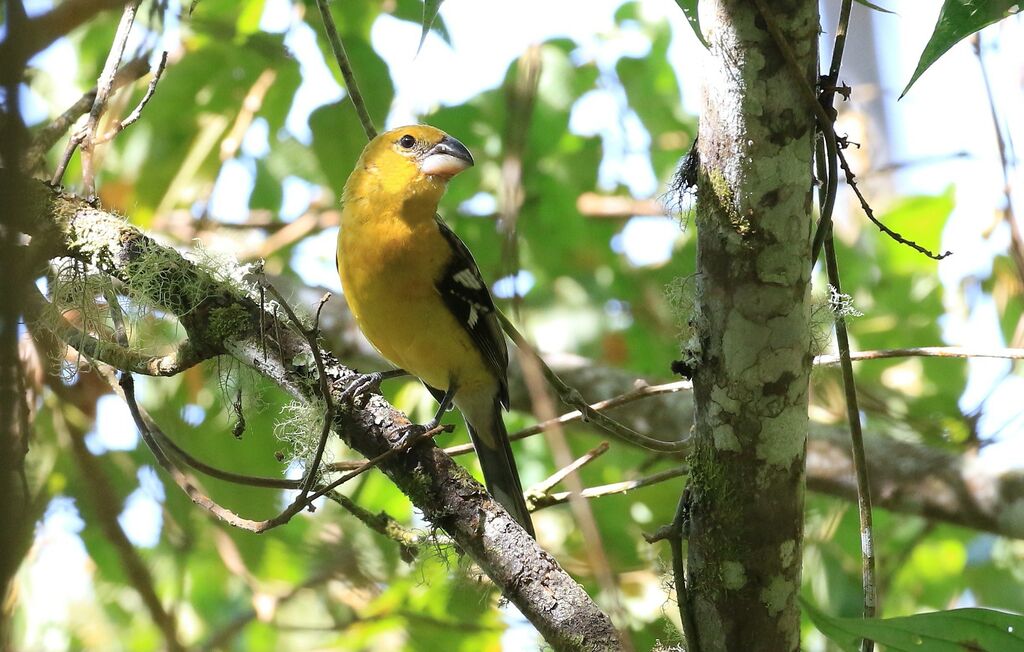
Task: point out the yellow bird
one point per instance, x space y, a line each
418 296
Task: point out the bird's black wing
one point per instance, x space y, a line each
465 293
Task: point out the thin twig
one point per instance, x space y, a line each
346 70
838 49
539 502
571 396
924 352
851 180
676 533
381 523
104 85
126 389
641 392
857 440
1009 215
48 136
544 486
214 472
311 335
121 125
868 584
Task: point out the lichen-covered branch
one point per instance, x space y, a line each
40 313
221 316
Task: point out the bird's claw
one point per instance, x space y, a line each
406 435
363 384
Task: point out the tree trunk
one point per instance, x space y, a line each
17 509
753 362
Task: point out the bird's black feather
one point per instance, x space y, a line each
465 293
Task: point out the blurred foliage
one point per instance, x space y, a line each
325 581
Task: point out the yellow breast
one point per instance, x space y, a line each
389 265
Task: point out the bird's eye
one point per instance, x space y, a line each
407 141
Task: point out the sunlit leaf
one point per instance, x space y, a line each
689 8
412 11
430 9
249 17
871 5
958 19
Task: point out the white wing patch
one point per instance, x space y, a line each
465 294
468 279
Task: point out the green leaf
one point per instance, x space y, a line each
982 630
921 219
249 17
871 5
266 193
430 9
958 19
337 141
653 92
412 11
689 8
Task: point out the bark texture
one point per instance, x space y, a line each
19 502
751 346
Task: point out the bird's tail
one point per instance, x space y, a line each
500 475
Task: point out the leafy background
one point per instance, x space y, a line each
222 162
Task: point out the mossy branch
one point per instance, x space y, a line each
42 313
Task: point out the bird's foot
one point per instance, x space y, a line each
407 435
363 384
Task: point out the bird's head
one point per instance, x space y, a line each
416 161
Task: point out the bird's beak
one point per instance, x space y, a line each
446 159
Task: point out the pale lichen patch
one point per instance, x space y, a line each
774 265
742 342
725 439
782 437
733 575
777 595
99 239
722 401
786 550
